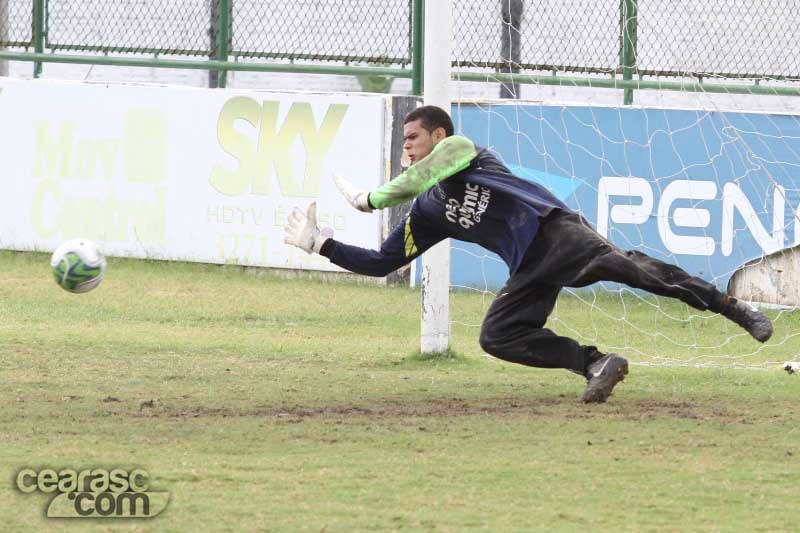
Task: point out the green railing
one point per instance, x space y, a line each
712 46
364 37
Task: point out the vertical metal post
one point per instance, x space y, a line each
628 26
39 33
401 106
510 43
223 38
213 31
3 35
417 46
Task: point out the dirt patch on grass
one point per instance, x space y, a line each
560 406
652 409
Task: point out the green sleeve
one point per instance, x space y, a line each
450 156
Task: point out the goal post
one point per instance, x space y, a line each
435 324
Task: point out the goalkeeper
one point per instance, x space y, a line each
464 192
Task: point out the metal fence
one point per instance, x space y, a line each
345 30
711 38
720 39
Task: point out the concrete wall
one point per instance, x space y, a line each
774 279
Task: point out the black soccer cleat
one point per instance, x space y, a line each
754 322
603 375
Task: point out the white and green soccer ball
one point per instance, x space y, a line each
78 265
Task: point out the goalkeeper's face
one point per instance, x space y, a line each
419 142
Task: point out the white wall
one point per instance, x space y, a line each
183 173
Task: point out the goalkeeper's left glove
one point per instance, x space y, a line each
302 231
356 197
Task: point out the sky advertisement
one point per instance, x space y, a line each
184 174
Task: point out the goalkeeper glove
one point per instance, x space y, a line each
302 231
355 197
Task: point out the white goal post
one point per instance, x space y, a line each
435 327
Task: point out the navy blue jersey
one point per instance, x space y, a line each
484 203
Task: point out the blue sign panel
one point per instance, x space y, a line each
706 190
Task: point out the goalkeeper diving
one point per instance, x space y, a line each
463 192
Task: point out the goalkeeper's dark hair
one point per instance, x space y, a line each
432 117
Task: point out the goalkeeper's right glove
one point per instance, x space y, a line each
302 231
355 197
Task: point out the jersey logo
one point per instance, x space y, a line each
469 212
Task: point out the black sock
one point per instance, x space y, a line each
592 355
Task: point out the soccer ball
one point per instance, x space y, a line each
78 265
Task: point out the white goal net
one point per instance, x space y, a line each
704 175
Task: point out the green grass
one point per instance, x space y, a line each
265 403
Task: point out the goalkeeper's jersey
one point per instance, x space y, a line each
461 192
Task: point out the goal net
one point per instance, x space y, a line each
674 129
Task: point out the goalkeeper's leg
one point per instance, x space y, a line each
573 254
514 331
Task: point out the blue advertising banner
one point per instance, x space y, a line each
706 190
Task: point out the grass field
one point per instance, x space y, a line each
262 403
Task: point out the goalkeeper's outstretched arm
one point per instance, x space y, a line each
405 243
399 248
